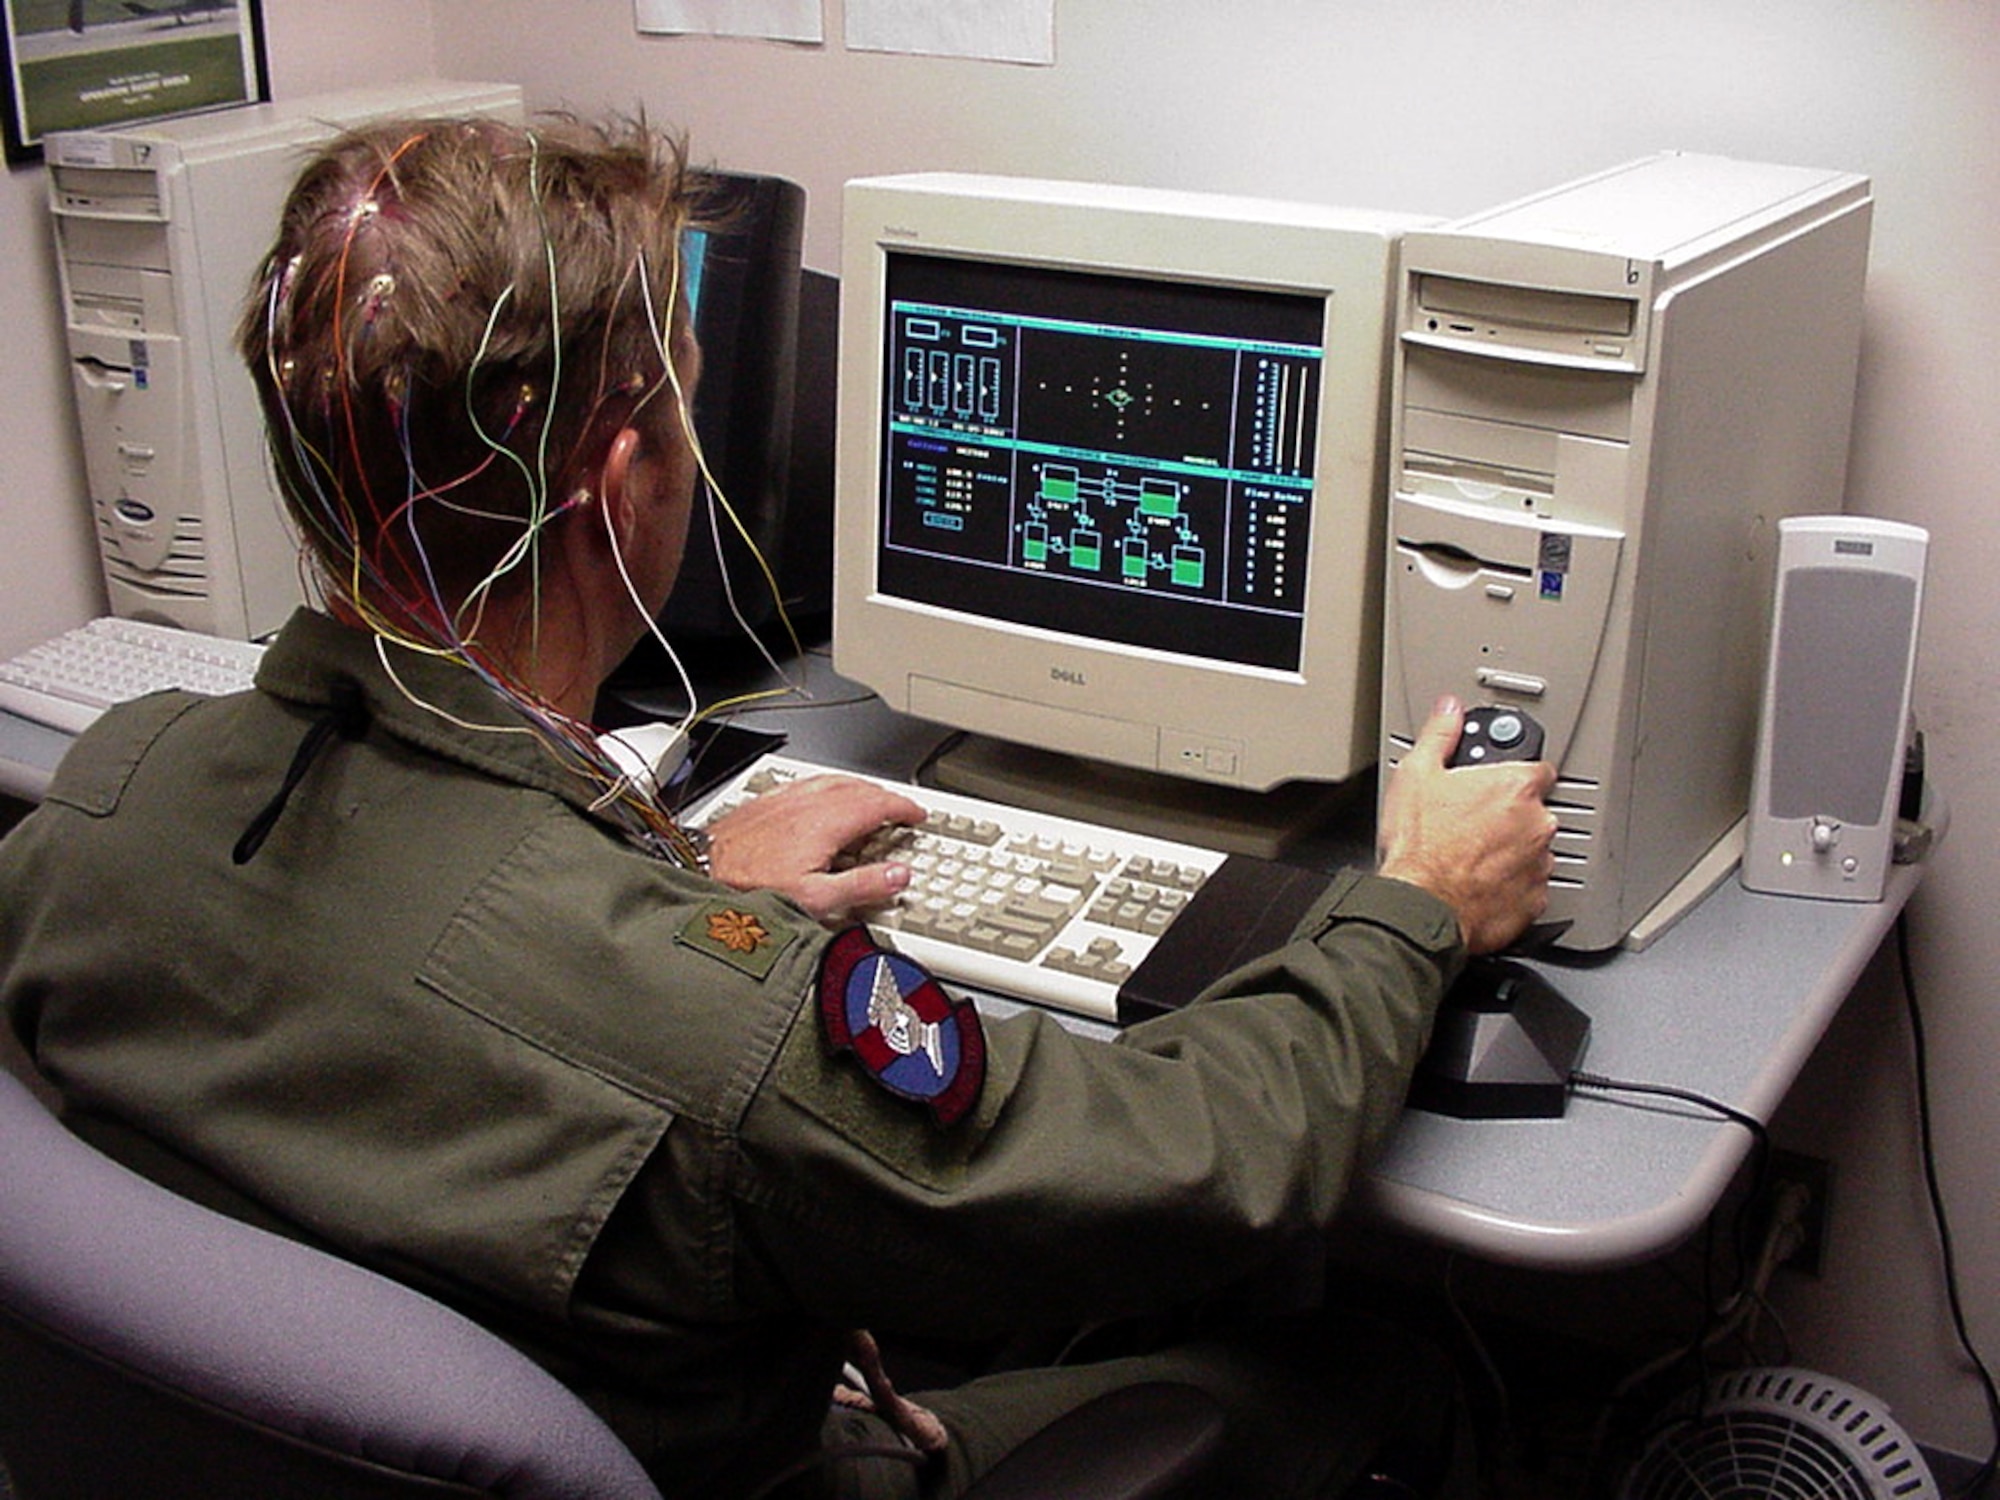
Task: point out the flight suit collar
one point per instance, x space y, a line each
431 702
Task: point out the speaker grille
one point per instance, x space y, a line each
1843 647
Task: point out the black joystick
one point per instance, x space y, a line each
1495 732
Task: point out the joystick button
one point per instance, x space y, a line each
1494 732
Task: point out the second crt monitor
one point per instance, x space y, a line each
1110 480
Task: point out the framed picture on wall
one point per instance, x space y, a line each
89 64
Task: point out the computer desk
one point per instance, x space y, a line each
1728 1003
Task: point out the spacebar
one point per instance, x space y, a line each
1247 908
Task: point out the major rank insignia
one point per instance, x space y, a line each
904 1030
736 935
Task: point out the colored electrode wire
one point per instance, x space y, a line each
392 565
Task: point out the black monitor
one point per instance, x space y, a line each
743 284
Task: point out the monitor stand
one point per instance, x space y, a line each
1229 819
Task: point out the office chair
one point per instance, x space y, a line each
152 1347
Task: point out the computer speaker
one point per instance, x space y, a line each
1833 727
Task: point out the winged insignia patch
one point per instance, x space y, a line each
906 1032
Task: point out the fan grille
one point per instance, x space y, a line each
1780 1434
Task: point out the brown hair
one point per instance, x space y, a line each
456 318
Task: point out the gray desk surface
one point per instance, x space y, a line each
1728 1003
28 755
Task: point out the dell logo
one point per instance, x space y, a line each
1067 674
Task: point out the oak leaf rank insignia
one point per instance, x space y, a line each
738 936
738 931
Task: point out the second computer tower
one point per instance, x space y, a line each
1606 398
160 227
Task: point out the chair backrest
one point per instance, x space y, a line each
149 1346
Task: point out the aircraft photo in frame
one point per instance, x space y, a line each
88 64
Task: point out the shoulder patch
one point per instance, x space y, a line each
737 935
905 1031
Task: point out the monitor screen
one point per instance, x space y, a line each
1128 461
1110 483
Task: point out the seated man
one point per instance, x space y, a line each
387 954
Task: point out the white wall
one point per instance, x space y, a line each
1445 106
1439 106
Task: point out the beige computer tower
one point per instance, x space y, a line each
159 228
1606 397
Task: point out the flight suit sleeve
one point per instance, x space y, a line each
1093 1178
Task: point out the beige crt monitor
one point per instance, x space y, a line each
1607 397
1110 488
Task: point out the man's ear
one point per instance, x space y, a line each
617 486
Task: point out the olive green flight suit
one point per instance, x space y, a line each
445 1020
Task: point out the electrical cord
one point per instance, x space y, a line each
1721 1317
1750 1295
1760 1138
1947 1253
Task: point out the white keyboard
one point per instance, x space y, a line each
1018 903
67 682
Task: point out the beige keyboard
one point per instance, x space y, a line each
1019 903
67 682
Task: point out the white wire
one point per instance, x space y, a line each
410 696
715 494
639 604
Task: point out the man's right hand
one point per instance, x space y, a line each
790 841
1478 837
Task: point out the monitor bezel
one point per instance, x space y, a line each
1187 716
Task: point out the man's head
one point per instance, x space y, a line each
461 324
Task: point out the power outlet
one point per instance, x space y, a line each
1803 1185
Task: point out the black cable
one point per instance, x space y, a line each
945 745
1760 1140
347 716
1696 1351
1946 1252
1582 1080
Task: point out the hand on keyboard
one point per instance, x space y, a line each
996 898
793 840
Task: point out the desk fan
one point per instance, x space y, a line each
1779 1434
